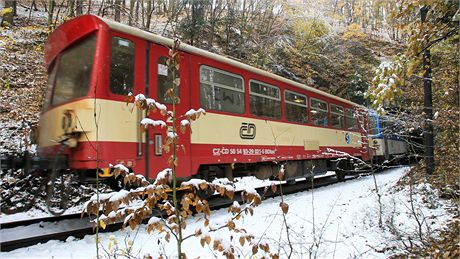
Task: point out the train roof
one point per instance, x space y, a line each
191 49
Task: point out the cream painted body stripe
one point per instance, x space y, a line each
221 129
117 122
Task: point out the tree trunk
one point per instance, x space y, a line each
131 12
428 138
51 5
117 10
8 16
79 7
137 12
15 9
88 11
71 4
148 15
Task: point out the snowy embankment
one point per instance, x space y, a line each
338 221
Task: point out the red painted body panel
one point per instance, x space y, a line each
68 33
225 154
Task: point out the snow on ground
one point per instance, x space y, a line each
240 183
344 216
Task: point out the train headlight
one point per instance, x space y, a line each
68 121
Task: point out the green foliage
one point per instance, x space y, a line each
6 11
308 39
6 16
308 33
6 84
386 85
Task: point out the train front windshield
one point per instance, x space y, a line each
71 72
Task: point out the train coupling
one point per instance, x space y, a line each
105 172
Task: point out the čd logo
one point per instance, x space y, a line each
248 131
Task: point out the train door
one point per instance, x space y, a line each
126 75
161 77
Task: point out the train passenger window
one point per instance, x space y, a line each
296 107
265 100
221 90
73 73
122 66
165 80
319 112
351 117
337 117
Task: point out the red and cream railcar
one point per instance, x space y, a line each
253 117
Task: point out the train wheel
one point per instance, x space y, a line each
341 169
56 193
340 174
263 172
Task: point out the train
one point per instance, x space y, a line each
387 136
255 120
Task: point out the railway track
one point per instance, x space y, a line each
25 233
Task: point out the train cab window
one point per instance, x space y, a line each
337 117
265 100
73 73
296 107
373 125
319 112
352 119
165 80
122 66
221 90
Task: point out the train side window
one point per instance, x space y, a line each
221 90
337 117
165 80
296 107
122 66
265 100
50 85
319 112
351 117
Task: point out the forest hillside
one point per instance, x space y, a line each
378 53
315 43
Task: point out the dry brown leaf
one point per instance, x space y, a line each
242 240
284 207
274 188
255 249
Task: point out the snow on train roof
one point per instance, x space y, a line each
191 49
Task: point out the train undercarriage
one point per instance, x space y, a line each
51 180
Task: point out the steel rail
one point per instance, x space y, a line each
26 233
